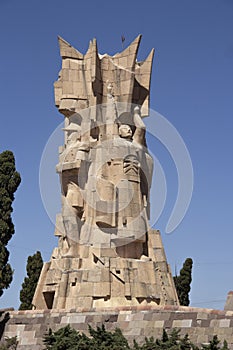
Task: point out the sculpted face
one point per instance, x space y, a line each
125 131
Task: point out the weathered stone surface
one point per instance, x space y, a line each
229 302
107 255
136 322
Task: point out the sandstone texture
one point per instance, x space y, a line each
107 254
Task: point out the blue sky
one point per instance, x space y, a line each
192 85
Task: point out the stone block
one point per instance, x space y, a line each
65 63
182 323
159 324
27 338
77 319
94 275
68 87
135 332
224 323
86 289
202 316
214 323
65 74
101 289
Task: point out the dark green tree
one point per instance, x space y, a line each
67 338
103 339
9 182
9 344
225 346
214 344
183 282
34 266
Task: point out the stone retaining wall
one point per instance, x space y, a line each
135 322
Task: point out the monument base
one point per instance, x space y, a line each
104 277
135 322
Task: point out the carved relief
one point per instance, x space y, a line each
107 254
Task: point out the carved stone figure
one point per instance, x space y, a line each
107 254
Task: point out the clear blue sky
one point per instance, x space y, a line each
192 86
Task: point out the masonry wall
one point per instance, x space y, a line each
135 322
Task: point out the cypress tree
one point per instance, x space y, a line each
183 282
34 266
9 182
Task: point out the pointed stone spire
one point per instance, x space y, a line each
95 68
66 50
143 70
130 52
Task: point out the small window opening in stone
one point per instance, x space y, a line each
49 297
74 282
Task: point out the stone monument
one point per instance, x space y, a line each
107 254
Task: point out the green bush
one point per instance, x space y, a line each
69 339
9 344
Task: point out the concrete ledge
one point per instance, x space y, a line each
135 322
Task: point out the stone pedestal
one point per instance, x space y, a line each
100 277
136 322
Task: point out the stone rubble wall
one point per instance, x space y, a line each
135 323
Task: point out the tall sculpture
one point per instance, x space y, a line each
107 255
